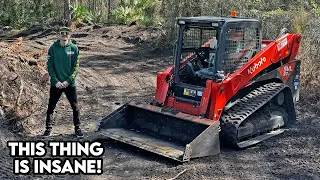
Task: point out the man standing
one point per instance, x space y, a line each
63 66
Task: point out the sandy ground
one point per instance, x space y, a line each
116 68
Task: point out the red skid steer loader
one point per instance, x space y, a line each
227 86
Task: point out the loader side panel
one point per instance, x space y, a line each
288 74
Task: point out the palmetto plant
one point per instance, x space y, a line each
143 11
123 14
83 14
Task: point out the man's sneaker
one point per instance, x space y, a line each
47 132
78 133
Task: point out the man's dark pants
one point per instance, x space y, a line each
55 94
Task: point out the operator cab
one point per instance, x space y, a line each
198 51
201 63
209 48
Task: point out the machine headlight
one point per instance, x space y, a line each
181 22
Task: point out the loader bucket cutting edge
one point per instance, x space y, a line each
177 136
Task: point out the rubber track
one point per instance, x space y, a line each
246 106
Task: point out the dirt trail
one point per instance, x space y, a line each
116 68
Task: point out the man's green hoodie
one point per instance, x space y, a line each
63 63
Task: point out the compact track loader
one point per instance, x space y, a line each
227 86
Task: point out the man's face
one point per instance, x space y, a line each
64 36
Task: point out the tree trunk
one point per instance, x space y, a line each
163 8
197 7
67 14
109 10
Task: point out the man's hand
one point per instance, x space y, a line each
65 84
59 85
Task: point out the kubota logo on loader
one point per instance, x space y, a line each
253 68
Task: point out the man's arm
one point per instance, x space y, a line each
50 68
75 66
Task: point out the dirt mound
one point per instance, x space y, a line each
150 38
22 77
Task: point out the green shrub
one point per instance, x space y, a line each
123 15
83 14
144 12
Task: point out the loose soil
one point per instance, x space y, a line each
118 64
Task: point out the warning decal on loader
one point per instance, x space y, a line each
286 71
189 92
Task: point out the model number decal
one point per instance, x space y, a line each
287 70
256 66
